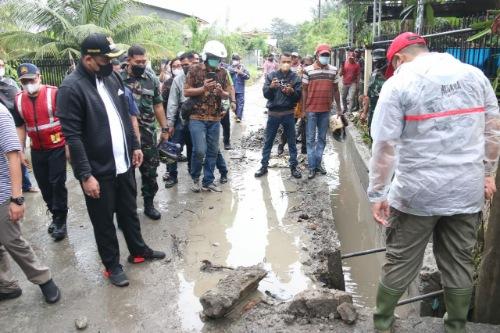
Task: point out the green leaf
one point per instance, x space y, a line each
429 14
481 25
479 35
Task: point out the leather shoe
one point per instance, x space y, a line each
50 292
150 210
261 172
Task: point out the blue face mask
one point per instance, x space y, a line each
214 63
324 60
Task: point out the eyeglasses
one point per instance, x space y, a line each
324 55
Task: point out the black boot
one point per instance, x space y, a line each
59 232
52 225
296 173
261 172
150 210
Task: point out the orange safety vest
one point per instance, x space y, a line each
42 126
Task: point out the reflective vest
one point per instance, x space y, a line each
42 126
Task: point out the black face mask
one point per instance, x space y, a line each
104 70
138 70
185 69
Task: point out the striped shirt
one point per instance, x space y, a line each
8 142
320 83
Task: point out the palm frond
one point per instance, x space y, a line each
112 12
77 34
131 31
41 15
23 41
48 50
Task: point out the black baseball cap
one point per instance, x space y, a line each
100 44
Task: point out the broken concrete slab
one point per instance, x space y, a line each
318 303
347 312
231 290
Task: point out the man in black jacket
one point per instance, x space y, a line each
93 111
282 90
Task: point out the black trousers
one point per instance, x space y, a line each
49 168
118 195
226 128
301 133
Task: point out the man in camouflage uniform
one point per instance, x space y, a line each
146 90
377 80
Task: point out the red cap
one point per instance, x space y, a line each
323 48
400 42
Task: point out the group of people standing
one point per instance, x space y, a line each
303 91
102 119
435 125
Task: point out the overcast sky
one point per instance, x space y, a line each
244 14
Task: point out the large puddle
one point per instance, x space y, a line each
243 226
249 230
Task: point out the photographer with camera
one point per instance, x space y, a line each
282 90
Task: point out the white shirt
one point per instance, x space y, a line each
439 115
120 151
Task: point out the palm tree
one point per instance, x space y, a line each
55 28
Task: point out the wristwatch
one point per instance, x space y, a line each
18 201
164 129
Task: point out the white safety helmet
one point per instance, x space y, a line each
215 48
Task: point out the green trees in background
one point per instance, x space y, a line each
304 37
55 28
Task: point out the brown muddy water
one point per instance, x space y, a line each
357 231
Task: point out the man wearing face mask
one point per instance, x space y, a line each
35 116
319 89
8 90
436 144
351 73
207 83
239 74
179 131
282 90
93 110
270 65
146 90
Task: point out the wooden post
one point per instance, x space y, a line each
487 299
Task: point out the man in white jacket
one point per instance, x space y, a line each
437 130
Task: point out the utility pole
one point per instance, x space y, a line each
374 19
419 22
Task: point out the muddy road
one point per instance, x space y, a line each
246 224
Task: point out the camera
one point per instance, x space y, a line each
283 83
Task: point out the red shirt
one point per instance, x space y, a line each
350 73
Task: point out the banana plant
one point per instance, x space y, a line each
487 27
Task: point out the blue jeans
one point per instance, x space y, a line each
240 104
26 178
221 164
316 147
273 123
205 137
